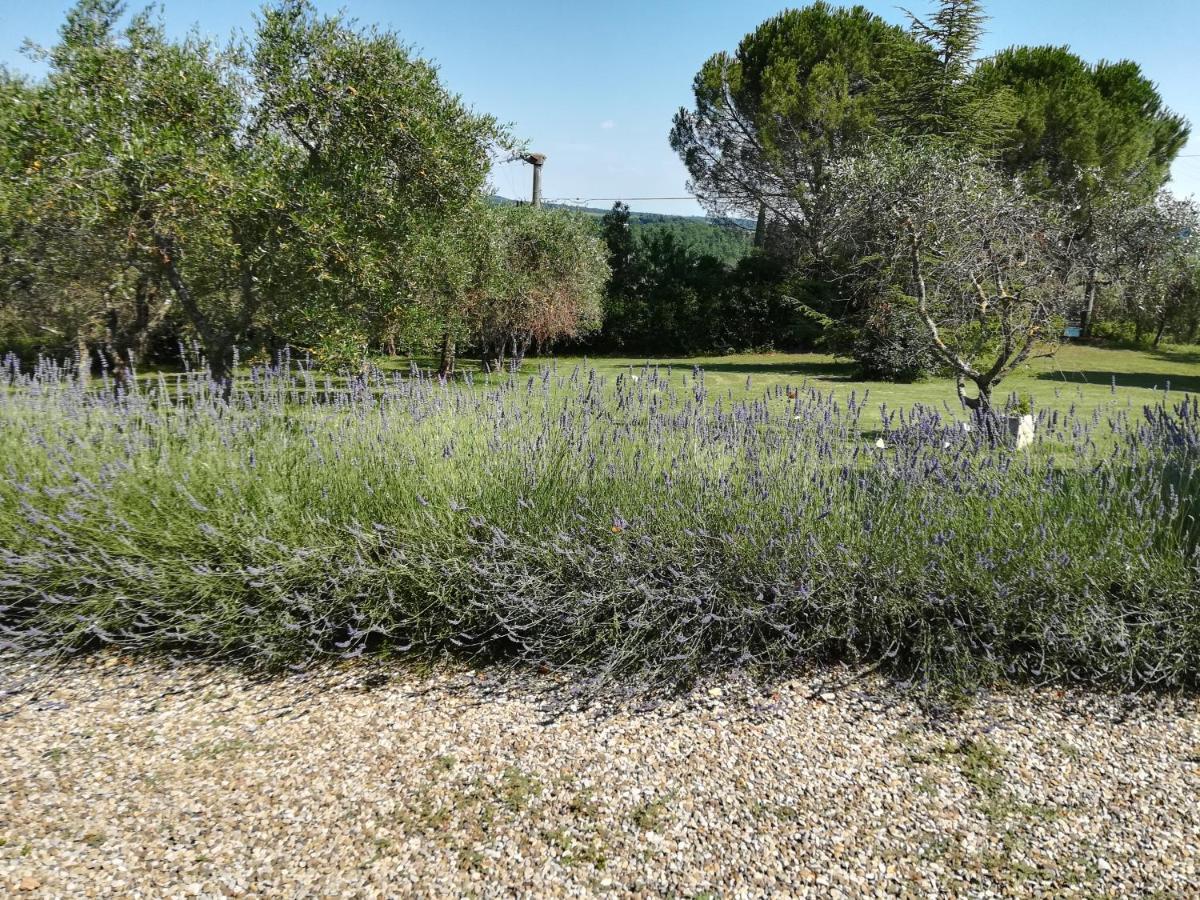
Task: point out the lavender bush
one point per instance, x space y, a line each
642 529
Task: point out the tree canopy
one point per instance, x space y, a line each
941 99
1105 122
545 281
799 92
379 155
277 180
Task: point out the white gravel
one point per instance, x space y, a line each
123 778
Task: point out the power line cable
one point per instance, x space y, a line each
609 199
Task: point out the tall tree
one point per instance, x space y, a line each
977 260
618 237
1095 137
1105 123
141 153
120 108
450 271
379 157
800 91
942 99
622 303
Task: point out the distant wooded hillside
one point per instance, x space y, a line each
728 240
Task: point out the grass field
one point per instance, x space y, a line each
1083 376
1086 377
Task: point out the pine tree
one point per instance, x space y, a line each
943 100
618 235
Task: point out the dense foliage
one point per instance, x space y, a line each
666 296
543 281
893 343
811 90
641 527
1105 119
1099 139
271 184
314 185
727 240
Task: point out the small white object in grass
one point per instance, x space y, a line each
1024 431
879 444
966 426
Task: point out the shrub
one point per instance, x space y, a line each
624 531
892 345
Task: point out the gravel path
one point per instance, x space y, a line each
132 779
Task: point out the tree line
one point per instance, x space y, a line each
312 184
918 207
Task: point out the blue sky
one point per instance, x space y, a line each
594 85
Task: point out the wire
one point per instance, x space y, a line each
608 199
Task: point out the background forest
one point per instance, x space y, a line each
314 186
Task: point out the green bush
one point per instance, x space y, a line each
892 344
623 531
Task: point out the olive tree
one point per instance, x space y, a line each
1158 262
504 278
544 281
383 165
450 272
128 142
983 266
275 182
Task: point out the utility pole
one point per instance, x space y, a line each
536 160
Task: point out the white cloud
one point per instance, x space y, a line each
607 124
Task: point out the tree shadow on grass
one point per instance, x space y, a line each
1182 356
1150 380
829 371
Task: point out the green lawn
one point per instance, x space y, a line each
1077 375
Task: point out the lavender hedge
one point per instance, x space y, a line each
642 529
